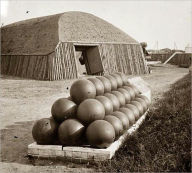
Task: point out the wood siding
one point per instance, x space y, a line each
126 58
178 59
26 66
61 64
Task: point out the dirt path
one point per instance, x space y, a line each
162 77
23 101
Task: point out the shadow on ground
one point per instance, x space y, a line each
14 142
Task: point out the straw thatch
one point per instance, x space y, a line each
44 48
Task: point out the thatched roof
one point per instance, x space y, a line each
41 35
78 26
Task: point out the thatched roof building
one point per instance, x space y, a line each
49 47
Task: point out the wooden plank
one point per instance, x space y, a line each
43 68
29 69
24 67
27 66
15 66
65 64
75 70
128 59
40 66
36 63
50 66
62 55
3 64
18 65
59 52
140 60
10 65
75 65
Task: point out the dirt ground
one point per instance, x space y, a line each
24 101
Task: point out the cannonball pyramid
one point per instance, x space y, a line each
98 111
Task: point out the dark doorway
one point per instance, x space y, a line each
88 58
80 65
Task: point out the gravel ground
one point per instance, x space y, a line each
23 101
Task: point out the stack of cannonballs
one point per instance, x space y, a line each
98 111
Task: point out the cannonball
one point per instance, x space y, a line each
129 114
120 97
82 89
113 81
114 99
70 132
90 110
116 123
134 109
98 85
100 134
45 131
118 79
107 103
63 109
123 118
126 94
106 83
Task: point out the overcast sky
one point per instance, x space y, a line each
154 21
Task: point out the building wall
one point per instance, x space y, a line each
178 59
160 57
126 58
61 64
182 59
25 66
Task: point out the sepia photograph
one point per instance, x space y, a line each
95 86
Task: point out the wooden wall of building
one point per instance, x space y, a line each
25 66
160 57
126 58
181 59
61 64
178 59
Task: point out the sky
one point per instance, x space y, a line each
160 23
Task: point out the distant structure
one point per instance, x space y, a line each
58 46
188 49
166 50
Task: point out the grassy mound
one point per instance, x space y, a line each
163 141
